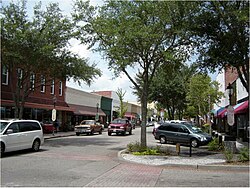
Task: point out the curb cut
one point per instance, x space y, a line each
195 167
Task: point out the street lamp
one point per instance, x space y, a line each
54 101
230 93
97 115
54 115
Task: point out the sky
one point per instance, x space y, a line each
106 82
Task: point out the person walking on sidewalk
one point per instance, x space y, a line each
56 125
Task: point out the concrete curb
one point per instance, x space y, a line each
220 167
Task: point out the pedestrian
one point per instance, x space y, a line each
56 125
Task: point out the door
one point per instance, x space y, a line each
14 140
183 134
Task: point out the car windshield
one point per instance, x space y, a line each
87 122
3 125
119 121
193 129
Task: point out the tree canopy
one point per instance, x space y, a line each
40 45
133 34
220 31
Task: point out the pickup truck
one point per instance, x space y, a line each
88 127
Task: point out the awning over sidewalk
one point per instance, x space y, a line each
86 110
39 106
221 114
218 111
242 108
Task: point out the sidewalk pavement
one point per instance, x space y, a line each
58 134
200 159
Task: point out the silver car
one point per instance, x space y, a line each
20 134
181 133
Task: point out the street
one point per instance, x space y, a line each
92 161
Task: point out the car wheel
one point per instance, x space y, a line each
163 140
124 133
109 133
2 148
77 134
36 145
194 143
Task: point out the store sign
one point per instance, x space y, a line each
230 115
53 115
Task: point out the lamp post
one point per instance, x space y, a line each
54 101
230 93
54 114
230 109
97 115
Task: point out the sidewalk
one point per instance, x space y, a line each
200 159
58 134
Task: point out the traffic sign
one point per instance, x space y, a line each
53 115
230 115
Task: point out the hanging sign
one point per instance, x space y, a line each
230 115
53 115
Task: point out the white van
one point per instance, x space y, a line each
20 134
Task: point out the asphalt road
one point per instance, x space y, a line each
92 161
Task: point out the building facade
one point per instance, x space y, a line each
43 97
240 103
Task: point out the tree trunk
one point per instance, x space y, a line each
144 120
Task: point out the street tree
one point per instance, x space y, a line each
123 107
170 87
137 35
220 30
39 45
202 91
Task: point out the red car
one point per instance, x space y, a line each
120 126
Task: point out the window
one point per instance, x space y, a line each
32 81
172 128
42 84
5 75
14 127
20 77
60 88
25 126
52 87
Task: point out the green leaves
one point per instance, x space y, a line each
41 44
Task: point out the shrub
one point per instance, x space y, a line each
135 147
214 145
244 154
205 128
228 155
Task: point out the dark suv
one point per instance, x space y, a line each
180 133
120 126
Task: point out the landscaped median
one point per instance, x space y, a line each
167 155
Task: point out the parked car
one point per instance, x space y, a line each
181 133
47 126
150 123
20 134
156 125
88 127
120 126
